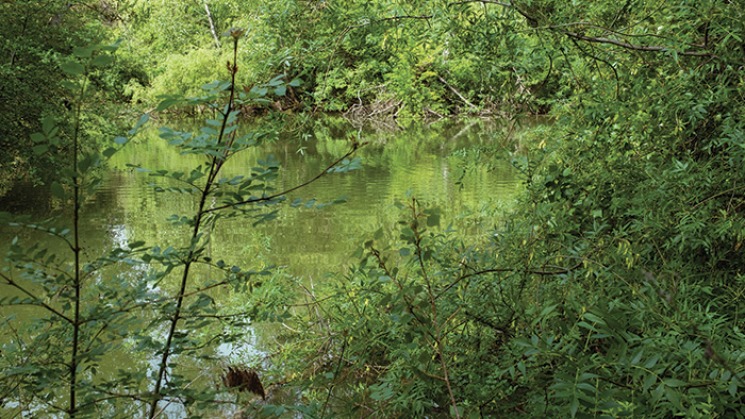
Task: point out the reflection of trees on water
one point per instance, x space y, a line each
27 199
426 160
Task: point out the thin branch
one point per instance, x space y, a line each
355 147
498 3
731 190
217 163
437 335
634 47
558 270
336 375
423 17
593 39
606 62
37 301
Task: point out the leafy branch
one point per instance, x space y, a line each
533 21
224 139
437 334
268 198
35 299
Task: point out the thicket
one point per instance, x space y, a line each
366 59
614 288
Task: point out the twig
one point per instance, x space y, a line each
424 17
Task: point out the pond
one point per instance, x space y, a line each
450 165
433 163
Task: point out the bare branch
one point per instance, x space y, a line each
212 25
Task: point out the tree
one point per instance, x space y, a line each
35 35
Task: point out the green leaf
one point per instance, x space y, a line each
72 68
48 124
547 310
259 91
594 318
102 60
587 326
573 406
40 149
167 103
83 52
276 81
732 388
673 396
57 190
674 382
112 47
586 387
521 368
109 152
140 122
434 219
651 362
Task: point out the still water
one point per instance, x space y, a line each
462 168
433 163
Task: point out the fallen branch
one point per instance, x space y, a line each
452 89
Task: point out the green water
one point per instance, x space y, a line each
423 161
457 167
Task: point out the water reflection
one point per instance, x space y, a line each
429 162
424 161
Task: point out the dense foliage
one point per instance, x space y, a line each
37 39
614 288
34 37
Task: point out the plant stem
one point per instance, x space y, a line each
72 410
437 333
215 166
